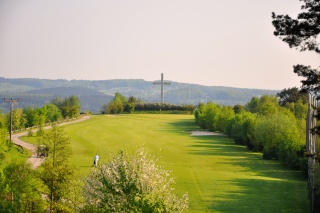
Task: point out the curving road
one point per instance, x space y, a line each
34 160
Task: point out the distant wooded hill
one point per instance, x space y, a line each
94 94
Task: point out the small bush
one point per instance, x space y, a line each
30 133
132 183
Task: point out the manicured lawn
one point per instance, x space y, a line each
218 175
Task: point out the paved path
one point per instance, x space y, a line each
34 160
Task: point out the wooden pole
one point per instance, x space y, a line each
311 135
11 100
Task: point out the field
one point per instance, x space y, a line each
218 175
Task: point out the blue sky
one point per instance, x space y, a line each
214 43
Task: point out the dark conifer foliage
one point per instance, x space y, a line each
291 95
302 33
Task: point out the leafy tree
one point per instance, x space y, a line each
18 119
114 107
199 114
19 189
56 172
57 101
53 113
227 113
189 108
300 109
213 112
42 115
164 107
253 105
118 96
70 107
3 128
117 104
31 116
238 109
131 103
268 105
242 129
132 183
302 33
280 137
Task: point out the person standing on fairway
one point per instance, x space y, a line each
95 160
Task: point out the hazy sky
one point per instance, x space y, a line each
208 42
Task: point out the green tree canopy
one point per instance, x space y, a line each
53 113
199 114
20 189
280 137
69 107
253 105
56 172
31 116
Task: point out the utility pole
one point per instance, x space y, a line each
11 100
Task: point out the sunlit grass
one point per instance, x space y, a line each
218 175
13 153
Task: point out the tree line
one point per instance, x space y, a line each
58 109
120 104
273 125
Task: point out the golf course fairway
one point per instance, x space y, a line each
218 175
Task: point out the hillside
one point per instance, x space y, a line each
93 94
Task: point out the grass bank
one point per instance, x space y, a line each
12 153
218 175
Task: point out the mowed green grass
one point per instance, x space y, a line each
218 175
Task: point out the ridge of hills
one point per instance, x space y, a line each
93 94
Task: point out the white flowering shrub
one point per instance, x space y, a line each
131 183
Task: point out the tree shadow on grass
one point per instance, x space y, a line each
256 195
181 126
240 156
265 190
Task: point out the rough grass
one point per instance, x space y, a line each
13 153
218 175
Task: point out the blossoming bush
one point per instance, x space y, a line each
131 183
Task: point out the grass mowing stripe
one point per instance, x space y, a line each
218 175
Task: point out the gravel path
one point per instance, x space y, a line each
34 160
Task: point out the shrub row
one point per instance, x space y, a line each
271 129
